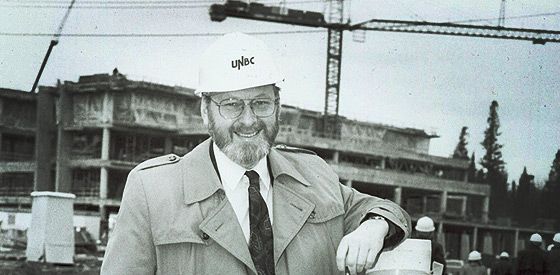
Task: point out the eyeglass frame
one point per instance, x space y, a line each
275 100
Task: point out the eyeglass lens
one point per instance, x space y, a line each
261 107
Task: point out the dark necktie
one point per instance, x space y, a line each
260 240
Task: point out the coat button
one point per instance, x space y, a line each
172 158
312 216
205 236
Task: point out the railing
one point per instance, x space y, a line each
15 156
12 190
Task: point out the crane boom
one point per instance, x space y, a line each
538 36
54 42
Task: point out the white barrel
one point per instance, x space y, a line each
413 256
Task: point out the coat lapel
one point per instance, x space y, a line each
291 210
290 213
200 182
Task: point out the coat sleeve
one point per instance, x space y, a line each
357 206
131 249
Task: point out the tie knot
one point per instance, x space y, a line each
253 178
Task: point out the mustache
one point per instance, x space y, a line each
257 126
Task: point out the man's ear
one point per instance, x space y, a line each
204 111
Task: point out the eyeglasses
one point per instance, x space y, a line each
233 107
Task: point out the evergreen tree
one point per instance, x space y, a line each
524 212
472 170
551 192
461 151
492 160
493 165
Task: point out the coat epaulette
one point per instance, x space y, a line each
286 148
158 161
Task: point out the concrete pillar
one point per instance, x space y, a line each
104 173
466 176
107 116
475 238
397 195
440 235
424 203
443 203
63 178
383 163
487 244
465 249
348 183
44 151
105 143
485 207
168 145
104 183
464 207
335 157
516 243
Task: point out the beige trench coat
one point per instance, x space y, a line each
175 219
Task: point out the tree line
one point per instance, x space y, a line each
523 201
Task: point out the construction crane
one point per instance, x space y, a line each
335 26
54 42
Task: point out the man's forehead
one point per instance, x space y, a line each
261 91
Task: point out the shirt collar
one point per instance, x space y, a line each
231 172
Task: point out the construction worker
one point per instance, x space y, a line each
553 256
236 204
531 261
425 230
503 266
474 265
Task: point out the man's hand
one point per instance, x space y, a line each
359 249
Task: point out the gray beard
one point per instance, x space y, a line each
245 153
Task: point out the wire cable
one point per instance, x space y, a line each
163 35
126 4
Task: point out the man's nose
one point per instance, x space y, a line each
247 117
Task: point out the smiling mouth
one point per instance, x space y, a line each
247 135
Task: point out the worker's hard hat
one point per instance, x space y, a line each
474 256
504 255
425 224
536 238
234 62
556 238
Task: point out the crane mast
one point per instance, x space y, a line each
331 122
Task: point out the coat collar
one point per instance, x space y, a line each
200 179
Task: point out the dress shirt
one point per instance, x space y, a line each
236 186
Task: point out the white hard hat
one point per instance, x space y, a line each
536 238
425 224
474 256
556 238
234 62
504 255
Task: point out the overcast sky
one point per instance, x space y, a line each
436 83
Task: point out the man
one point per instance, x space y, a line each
237 205
531 261
503 266
553 256
425 229
474 265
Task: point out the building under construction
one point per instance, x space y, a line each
84 137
